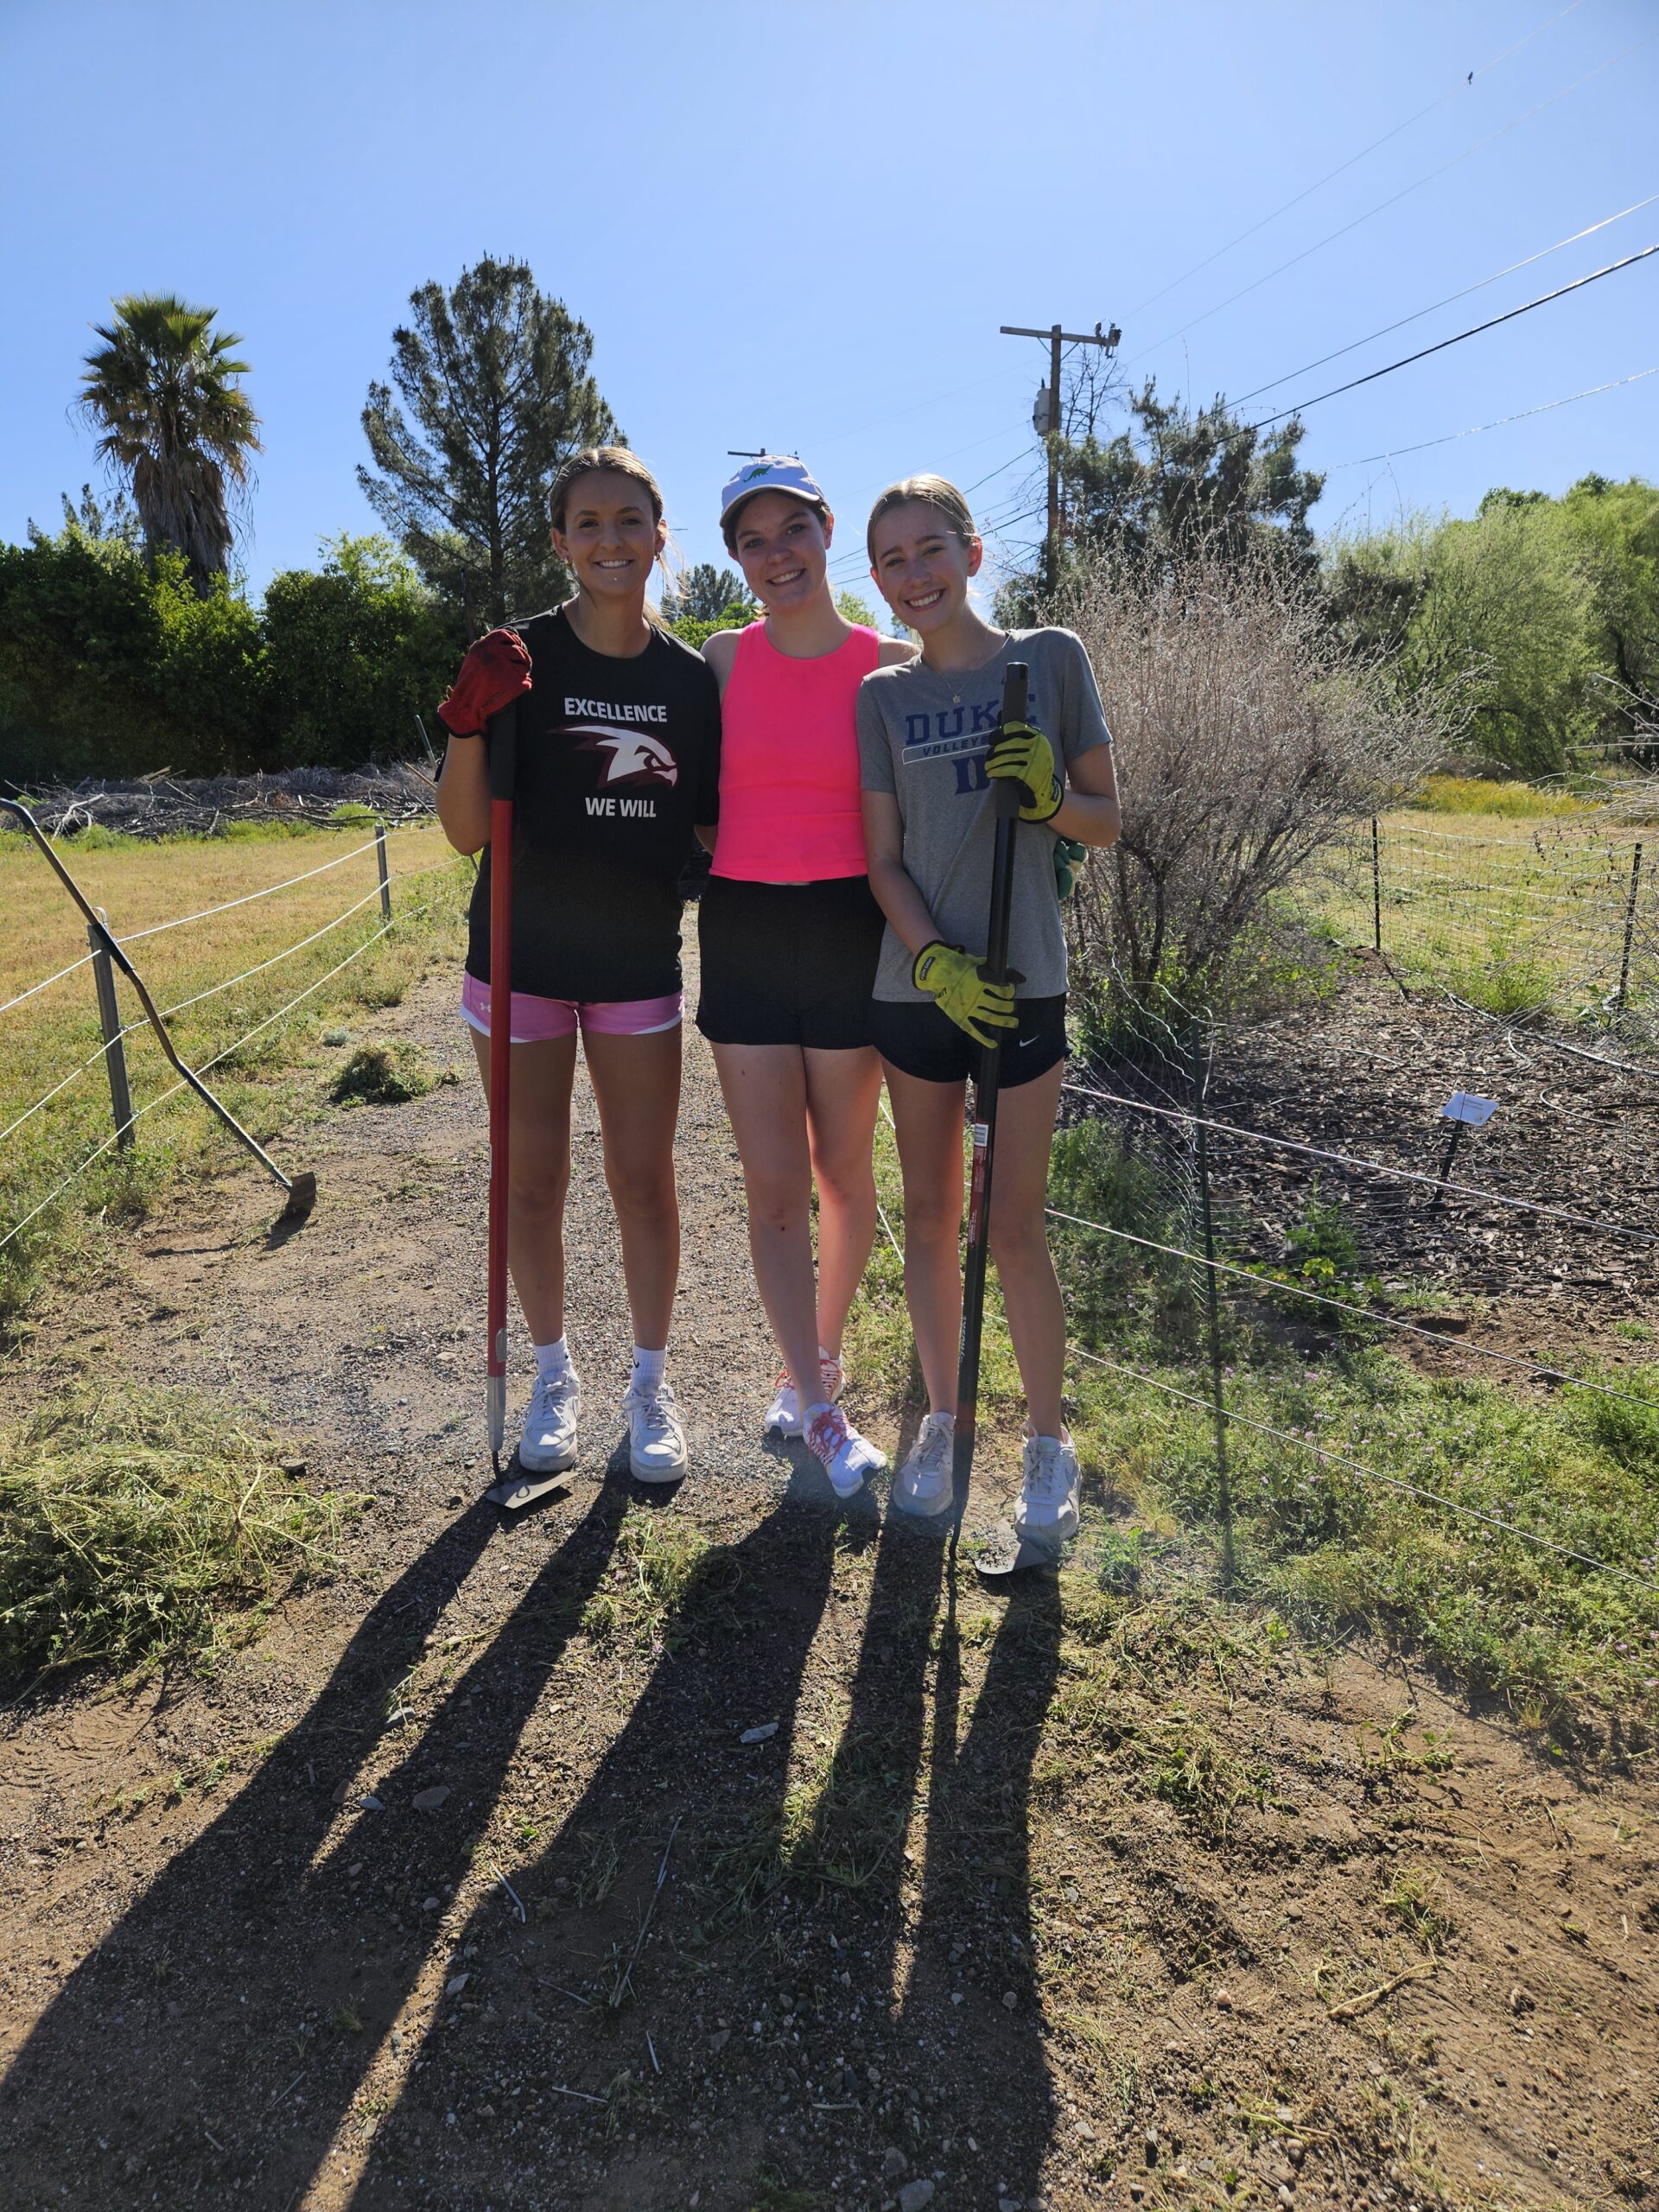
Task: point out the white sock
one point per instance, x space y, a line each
648 1368
552 1360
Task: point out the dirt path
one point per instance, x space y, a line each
469 1892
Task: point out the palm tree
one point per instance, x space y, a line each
162 392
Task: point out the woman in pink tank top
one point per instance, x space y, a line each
789 935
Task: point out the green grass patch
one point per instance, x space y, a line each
665 1580
147 1526
1557 1640
1564 1644
1483 795
1517 917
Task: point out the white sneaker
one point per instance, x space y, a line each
922 1484
656 1440
847 1456
1048 1506
783 1413
548 1443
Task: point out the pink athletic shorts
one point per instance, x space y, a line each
537 1021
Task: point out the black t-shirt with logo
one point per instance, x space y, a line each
618 760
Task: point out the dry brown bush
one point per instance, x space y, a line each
1250 738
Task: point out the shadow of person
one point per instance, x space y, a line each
972 2011
634 1937
213 2041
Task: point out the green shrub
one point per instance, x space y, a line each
353 651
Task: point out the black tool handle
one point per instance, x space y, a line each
1005 800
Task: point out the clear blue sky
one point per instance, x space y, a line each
801 225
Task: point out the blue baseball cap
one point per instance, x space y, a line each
770 472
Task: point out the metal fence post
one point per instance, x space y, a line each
1223 1484
385 874
115 1053
1629 929
1377 887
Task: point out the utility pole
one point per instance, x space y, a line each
1051 426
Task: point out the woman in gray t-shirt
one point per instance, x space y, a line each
929 745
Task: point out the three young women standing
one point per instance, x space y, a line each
618 764
789 936
855 789
929 738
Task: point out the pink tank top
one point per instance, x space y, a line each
789 770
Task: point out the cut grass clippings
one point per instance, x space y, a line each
147 1526
382 1075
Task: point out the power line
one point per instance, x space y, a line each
1475 430
1285 207
1458 337
1542 254
1404 192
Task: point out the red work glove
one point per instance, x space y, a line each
495 672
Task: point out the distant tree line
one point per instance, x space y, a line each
128 643
1551 605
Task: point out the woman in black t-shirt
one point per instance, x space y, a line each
618 767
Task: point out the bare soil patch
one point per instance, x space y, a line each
460 1886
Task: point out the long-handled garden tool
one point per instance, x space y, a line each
504 763
1005 799
514 1485
301 1190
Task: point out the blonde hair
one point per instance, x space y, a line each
615 460
611 460
935 492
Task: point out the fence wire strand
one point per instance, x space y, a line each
207 1065
247 898
1376 1167
1442 1342
1374 1474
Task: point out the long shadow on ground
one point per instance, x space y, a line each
122 2096
503 2104
972 2010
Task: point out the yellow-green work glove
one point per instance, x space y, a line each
957 982
1020 751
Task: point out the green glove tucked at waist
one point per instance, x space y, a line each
1020 750
959 986
1067 854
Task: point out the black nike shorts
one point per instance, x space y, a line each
924 1041
788 963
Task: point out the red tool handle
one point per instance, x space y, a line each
504 732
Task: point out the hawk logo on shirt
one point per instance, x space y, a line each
634 757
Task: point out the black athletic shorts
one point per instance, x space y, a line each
924 1041
788 963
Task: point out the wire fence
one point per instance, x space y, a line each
58 1119
1552 923
1237 1289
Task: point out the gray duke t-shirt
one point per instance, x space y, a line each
924 737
